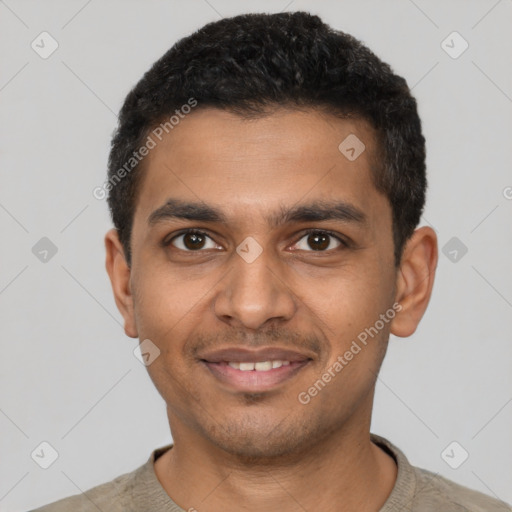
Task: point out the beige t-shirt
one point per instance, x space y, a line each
415 490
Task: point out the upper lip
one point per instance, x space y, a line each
243 355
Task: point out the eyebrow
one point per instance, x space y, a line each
319 210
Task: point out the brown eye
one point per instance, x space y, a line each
319 241
193 241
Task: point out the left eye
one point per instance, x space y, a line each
319 241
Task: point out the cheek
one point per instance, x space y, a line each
352 309
353 294
165 300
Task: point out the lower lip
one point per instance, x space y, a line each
253 380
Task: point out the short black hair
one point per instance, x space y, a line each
252 64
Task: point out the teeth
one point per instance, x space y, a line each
262 366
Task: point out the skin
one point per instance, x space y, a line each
252 451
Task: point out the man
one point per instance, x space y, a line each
265 183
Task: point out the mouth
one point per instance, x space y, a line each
254 371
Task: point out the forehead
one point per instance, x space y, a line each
247 167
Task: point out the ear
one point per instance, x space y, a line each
415 280
119 273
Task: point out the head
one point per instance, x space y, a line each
297 157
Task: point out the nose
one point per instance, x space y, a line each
254 293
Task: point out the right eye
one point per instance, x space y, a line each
192 240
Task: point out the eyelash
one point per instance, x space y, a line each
344 244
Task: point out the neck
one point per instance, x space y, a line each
345 468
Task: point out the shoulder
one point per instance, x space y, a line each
114 496
419 490
434 492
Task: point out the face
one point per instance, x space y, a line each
261 242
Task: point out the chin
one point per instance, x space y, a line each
259 441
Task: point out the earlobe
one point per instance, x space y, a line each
119 273
415 280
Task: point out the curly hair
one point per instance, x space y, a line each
253 63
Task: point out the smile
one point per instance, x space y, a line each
255 376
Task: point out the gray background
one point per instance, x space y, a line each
68 373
